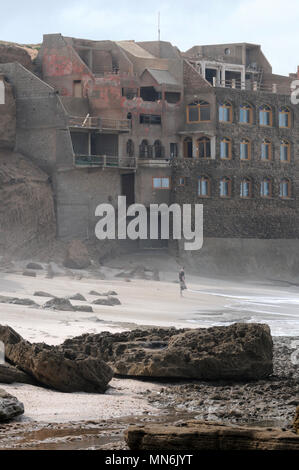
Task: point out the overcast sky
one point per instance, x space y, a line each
272 23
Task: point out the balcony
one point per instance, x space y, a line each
154 162
104 161
98 123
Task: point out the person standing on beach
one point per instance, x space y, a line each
182 281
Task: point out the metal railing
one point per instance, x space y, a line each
105 161
91 122
252 86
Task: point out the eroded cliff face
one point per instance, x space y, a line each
27 218
7 115
10 52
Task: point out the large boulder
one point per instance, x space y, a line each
10 374
62 370
195 435
77 256
238 352
10 407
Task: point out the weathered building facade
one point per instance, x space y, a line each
212 125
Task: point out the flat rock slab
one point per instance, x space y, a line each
195 435
35 266
110 301
65 371
10 407
236 352
78 297
16 301
10 374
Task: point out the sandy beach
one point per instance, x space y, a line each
207 302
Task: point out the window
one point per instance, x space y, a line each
246 114
204 147
285 188
150 119
246 188
245 149
188 147
173 149
198 112
266 187
225 148
129 93
172 97
130 148
181 181
225 187
285 151
145 150
266 150
148 93
284 117
225 112
158 149
265 113
161 183
203 186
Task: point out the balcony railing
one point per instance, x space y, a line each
90 122
252 86
104 161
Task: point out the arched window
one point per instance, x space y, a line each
285 151
284 117
285 188
246 188
130 148
266 116
225 148
158 149
145 149
225 187
204 147
198 111
225 112
245 149
266 187
266 150
204 187
246 114
188 147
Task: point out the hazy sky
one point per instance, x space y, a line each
272 23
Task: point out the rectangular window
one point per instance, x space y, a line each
150 119
173 149
205 114
181 181
161 183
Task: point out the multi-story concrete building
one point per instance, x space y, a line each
212 125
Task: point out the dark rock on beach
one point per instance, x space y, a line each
110 301
10 407
195 435
65 371
236 352
10 374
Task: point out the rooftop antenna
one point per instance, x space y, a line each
159 31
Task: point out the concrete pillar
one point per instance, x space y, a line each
274 87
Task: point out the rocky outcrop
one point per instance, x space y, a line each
296 421
77 256
65 371
10 374
10 407
198 436
238 352
27 218
10 52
